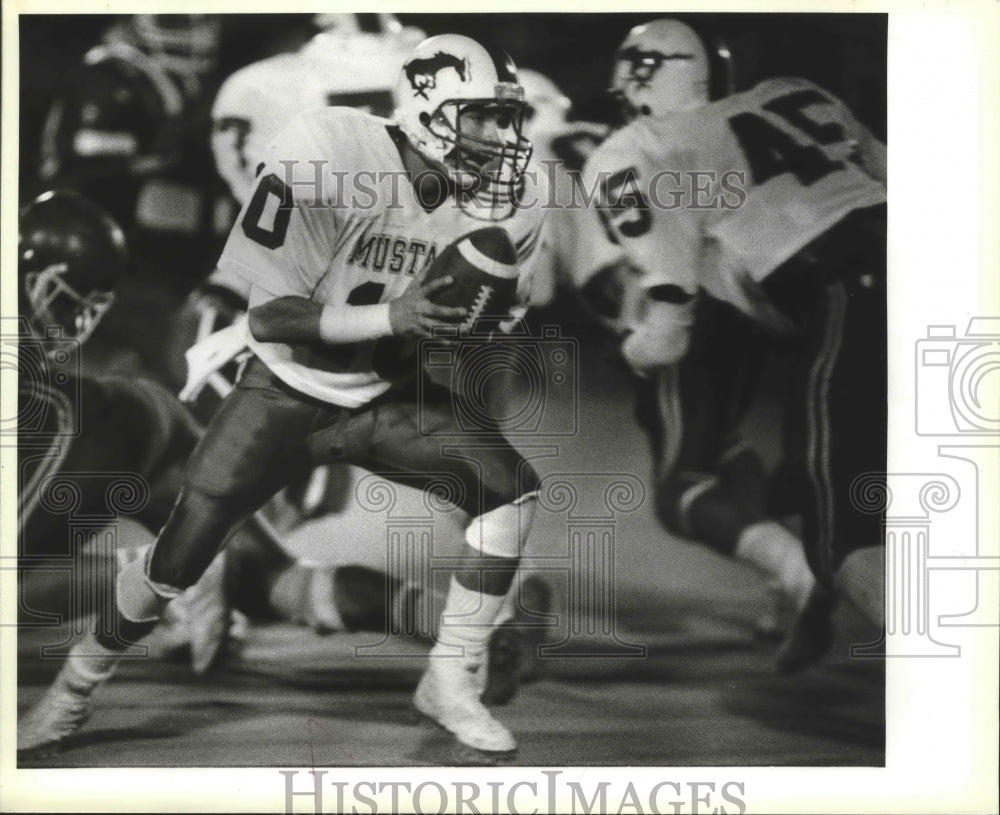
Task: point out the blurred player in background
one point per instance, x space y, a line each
753 221
132 134
319 388
353 61
81 431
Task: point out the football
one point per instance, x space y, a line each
484 266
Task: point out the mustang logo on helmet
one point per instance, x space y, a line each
644 64
422 71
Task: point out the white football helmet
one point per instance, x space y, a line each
445 78
662 66
546 107
367 31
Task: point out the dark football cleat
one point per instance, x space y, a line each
811 634
512 656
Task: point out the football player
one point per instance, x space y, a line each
79 431
336 263
354 61
747 222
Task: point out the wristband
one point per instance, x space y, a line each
344 324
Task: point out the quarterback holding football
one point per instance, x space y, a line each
337 242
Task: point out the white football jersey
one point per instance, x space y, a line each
719 196
259 100
334 218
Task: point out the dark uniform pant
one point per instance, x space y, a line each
266 435
836 422
834 380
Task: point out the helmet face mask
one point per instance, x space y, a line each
488 152
71 255
462 109
54 302
661 67
184 45
366 32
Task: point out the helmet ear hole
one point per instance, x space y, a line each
645 110
425 118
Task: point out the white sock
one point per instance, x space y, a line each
89 663
772 548
137 598
467 620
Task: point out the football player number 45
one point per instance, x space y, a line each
770 151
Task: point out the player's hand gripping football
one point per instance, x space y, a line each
412 314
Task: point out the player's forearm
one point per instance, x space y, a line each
295 319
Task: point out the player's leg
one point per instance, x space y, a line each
265 583
496 487
837 422
858 427
709 483
252 446
475 607
254 575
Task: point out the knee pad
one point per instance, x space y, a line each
139 599
503 531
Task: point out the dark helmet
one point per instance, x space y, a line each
71 255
